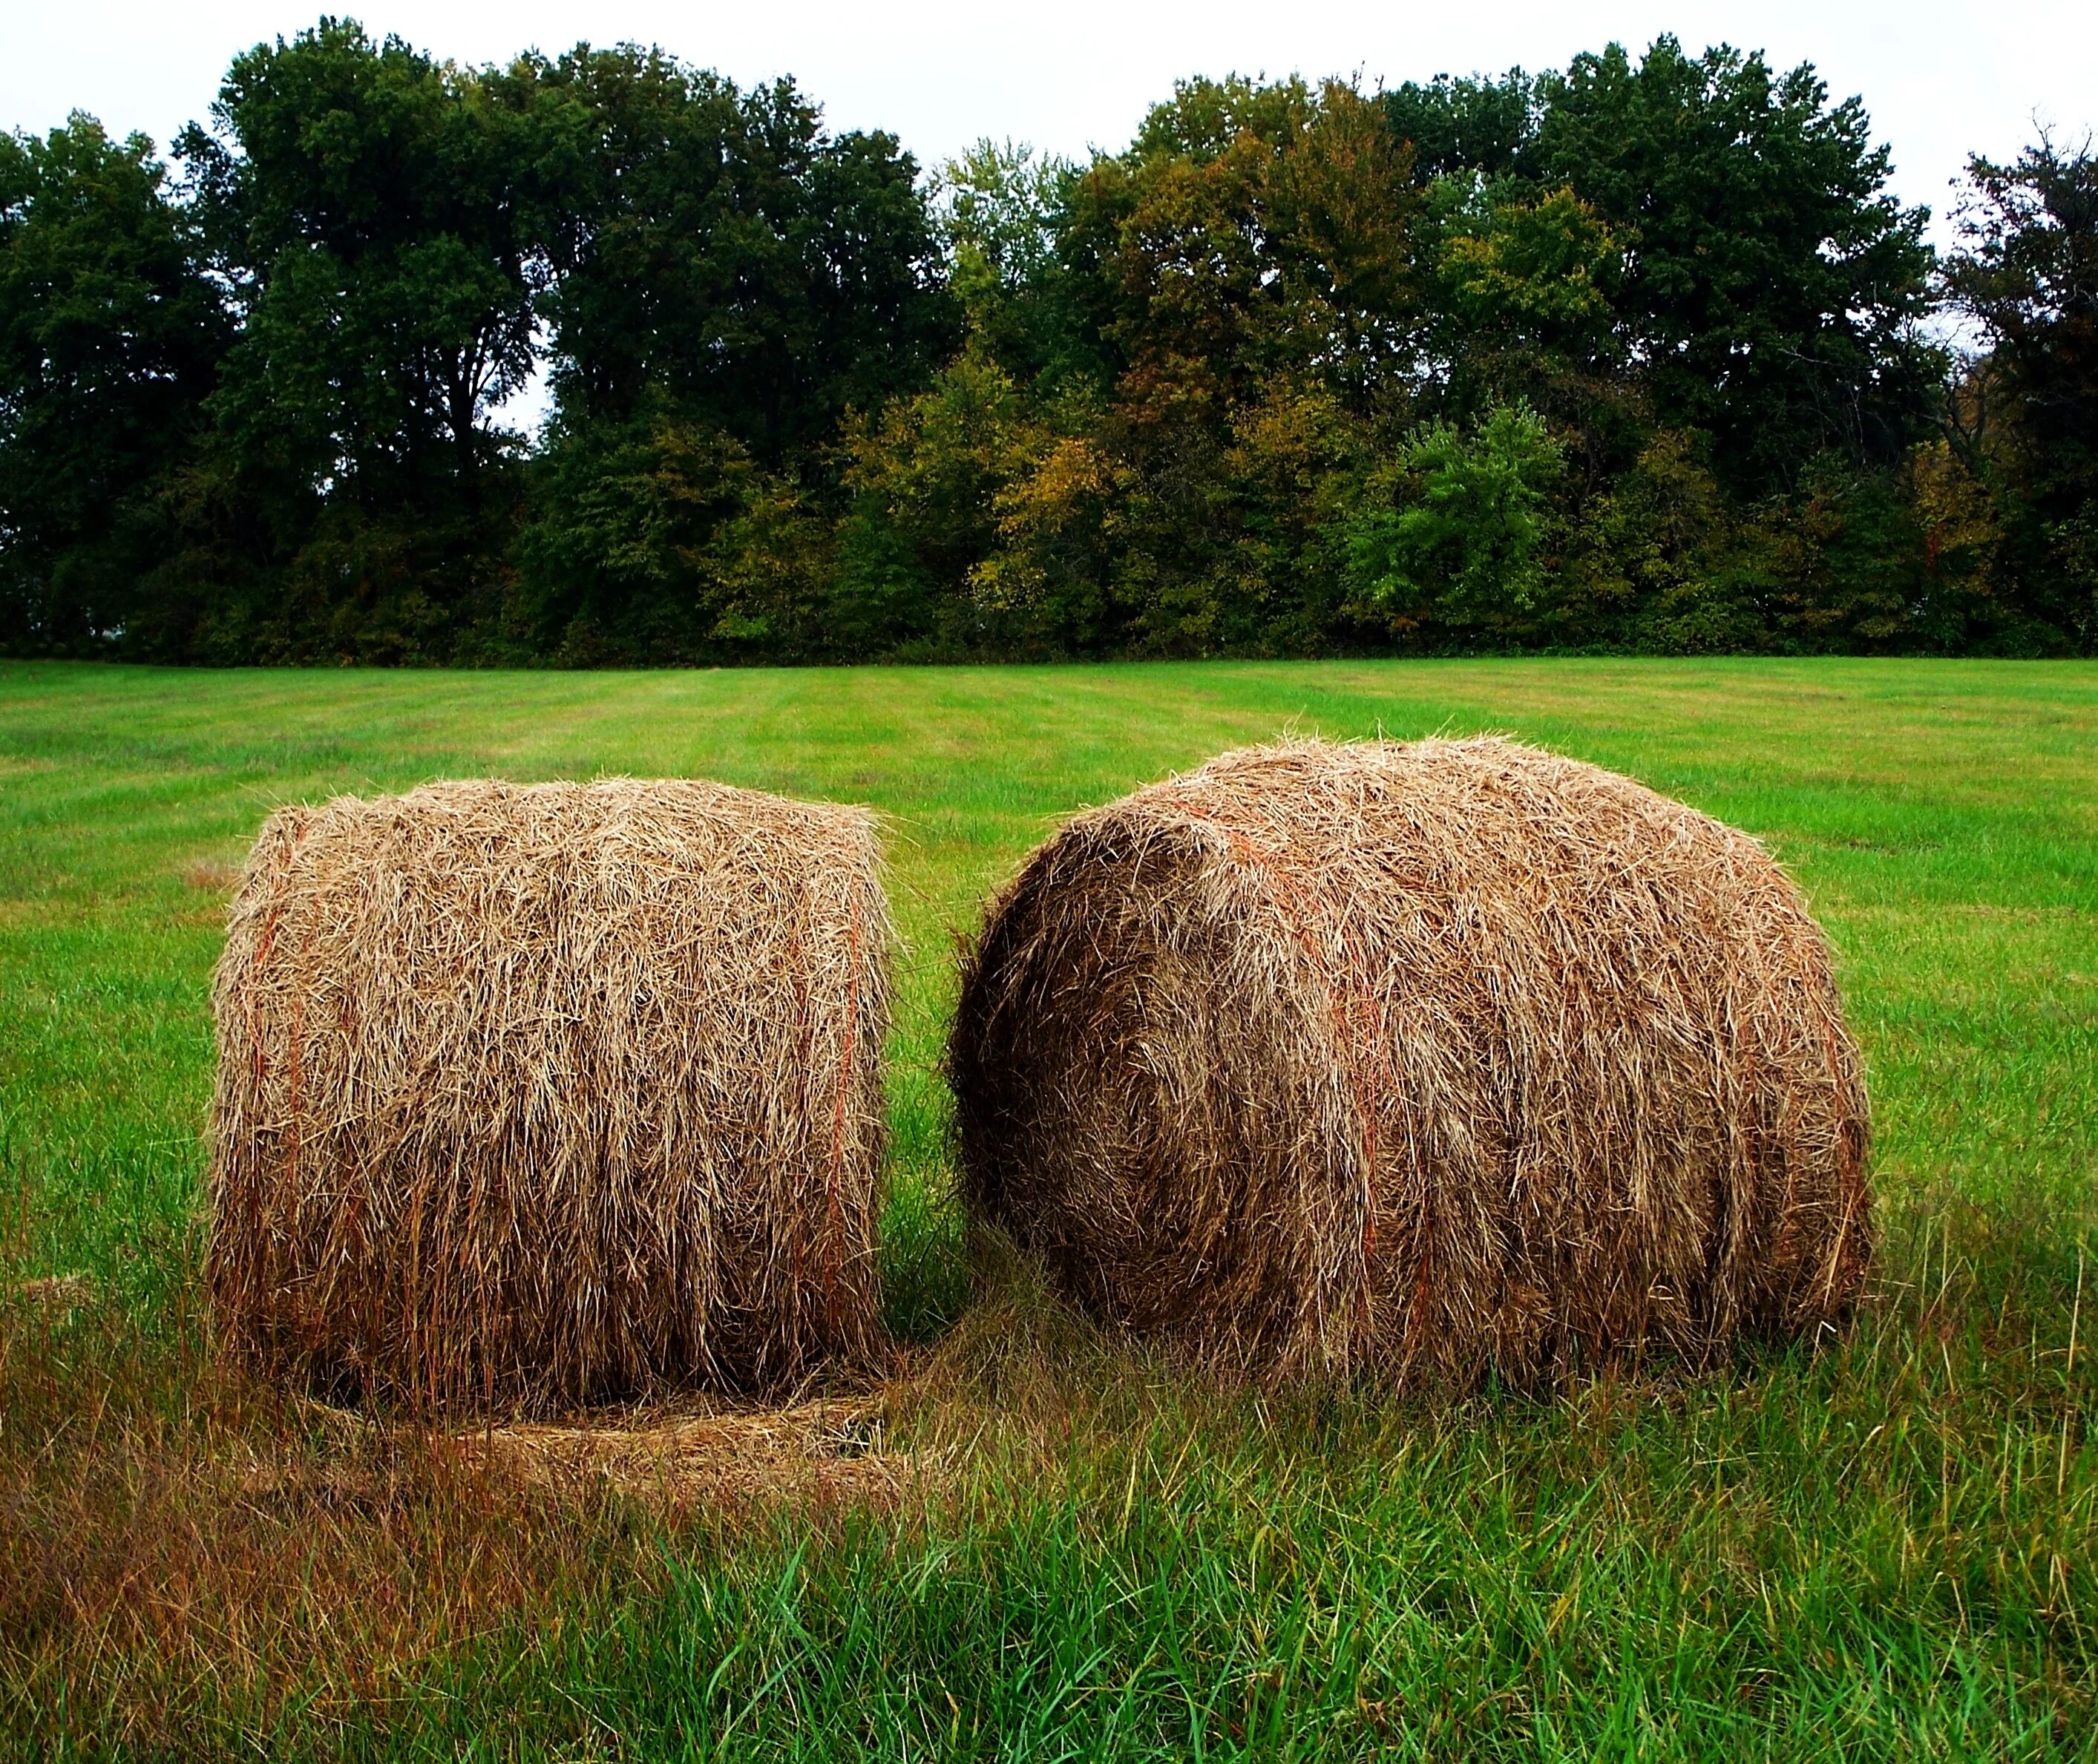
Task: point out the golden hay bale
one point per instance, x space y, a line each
1415 1061
534 1096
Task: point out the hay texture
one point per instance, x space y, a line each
535 1096
1411 1062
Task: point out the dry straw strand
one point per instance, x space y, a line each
1415 1061
531 1096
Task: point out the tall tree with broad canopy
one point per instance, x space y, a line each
110 335
2026 276
1250 264
1772 286
365 204
368 206
730 284
716 253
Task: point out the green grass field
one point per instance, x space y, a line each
1887 1549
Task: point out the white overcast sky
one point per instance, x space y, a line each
1939 79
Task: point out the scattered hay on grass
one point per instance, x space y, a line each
54 1294
828 1449
1416 1063
691 1453
212 875
532 1097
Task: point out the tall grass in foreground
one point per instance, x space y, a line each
1887 1548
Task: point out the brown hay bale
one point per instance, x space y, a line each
535 1096
1413 1061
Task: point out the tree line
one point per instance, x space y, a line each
1642 354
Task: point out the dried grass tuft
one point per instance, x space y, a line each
534 1096
1414 1062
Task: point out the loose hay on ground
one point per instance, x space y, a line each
1414 1062
695 1451
830 1448
534 1096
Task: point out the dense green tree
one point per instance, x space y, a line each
927 477
1476 127
1524 310
367 205
716 251
659 541
1250 266
1252 229
1848 563
1771 284
1004 212
730 285
2026 276
1455 542
616 561
1659 560
110 335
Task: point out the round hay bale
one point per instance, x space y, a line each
1413 1062
536 1095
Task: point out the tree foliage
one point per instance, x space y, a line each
1459 544
1638 354
715 252
1772 283
110 339
2026 276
